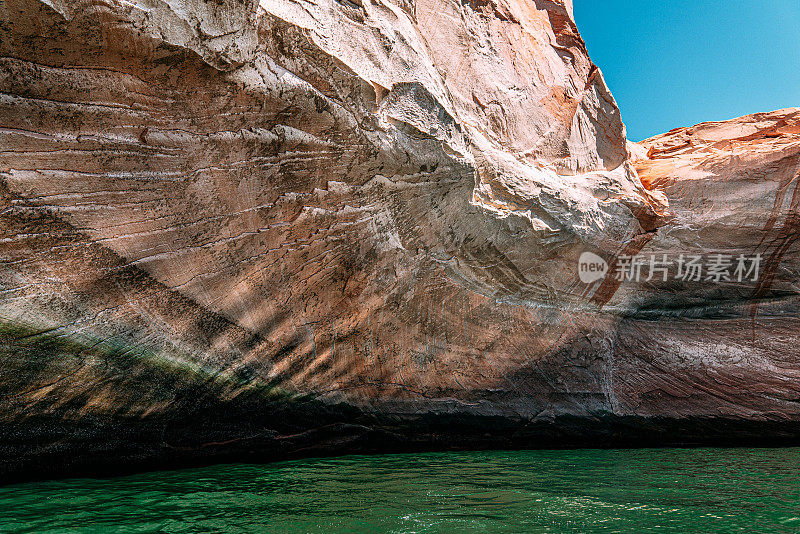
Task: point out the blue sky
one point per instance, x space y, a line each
673 63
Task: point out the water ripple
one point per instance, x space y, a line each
669 490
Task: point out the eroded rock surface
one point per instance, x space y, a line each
734 190
234 228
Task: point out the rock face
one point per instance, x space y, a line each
233 229
734 190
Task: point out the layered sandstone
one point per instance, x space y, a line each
290 227
725 348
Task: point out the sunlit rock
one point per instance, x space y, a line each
239 228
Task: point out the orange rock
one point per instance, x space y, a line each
280 228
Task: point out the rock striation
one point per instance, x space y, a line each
236 229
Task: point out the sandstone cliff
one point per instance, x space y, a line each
237 228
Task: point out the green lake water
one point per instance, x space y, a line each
669 490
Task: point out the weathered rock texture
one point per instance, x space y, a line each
232 228
723 349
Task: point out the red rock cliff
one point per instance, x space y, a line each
284 227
